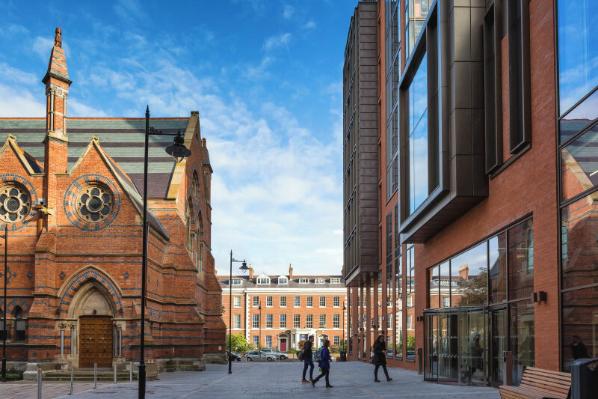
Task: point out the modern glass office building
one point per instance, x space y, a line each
483 229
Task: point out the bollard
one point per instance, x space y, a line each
95 375
72 378
131 372
39 383
114 366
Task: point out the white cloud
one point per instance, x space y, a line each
288 11
309 25
42 46
277 41
17 102
259 71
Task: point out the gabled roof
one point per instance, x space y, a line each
122 138
127 186
27 160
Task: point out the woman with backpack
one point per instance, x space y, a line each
324 364
379 358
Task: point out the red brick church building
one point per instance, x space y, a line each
70 196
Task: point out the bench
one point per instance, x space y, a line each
539 384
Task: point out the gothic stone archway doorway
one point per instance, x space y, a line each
94 310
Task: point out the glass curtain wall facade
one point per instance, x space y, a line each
577 30
480 305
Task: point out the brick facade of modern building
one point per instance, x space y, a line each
281 311
486 240
70 197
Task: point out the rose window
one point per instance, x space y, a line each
95 203
15 202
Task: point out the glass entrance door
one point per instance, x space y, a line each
498 344
472 347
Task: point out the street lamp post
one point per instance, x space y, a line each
178 151
259 344
4 330
230 308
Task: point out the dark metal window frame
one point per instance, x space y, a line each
492 33
519 74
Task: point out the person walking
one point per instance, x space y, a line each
324 364
379 358
308 360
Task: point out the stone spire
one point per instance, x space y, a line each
57 66
57 84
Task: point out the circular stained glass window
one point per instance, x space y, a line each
15 202
95 202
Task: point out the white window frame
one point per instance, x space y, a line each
320 280
236 301
283 301
303 280
336 301
295 300
269 301
309 301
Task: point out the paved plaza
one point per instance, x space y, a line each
264 381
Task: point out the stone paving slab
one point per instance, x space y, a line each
277 380
50 390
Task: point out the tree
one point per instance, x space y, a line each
474 291
239 343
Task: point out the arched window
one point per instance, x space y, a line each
195 186
189 225
20 324
199 244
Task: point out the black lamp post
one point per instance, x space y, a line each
259 344
230 308
179 152
4 331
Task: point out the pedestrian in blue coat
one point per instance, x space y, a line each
324 364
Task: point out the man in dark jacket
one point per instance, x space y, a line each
379 358
308 359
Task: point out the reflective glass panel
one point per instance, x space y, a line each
521 260
579 245
434 298
470 276
497 251
522 337
579 117
418 136
579 164
578 50
444 278
580 325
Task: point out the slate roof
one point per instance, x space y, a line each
121 138
293 282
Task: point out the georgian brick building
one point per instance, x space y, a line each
70 196
281 311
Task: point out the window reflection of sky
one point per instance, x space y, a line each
418 136
578 50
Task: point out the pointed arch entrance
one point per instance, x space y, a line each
94 311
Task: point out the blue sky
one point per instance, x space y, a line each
266 77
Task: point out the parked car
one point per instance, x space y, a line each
257 356
279 355
236 357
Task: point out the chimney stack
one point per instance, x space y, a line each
290 271
250 271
